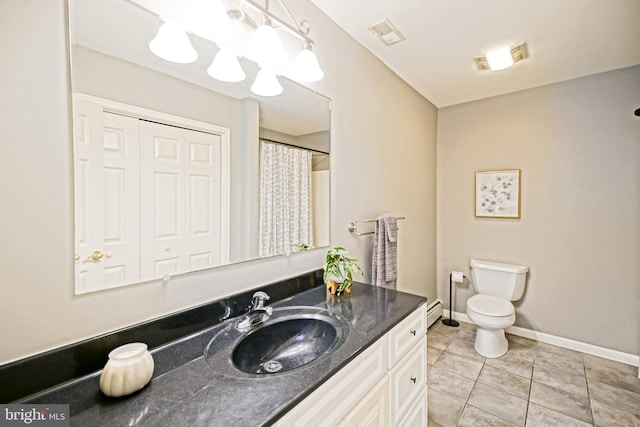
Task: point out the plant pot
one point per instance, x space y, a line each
333 286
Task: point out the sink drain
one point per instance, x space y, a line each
272 366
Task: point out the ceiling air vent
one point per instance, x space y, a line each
481 62
387 32
519 52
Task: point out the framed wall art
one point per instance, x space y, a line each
498 194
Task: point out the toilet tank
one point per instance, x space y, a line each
498 279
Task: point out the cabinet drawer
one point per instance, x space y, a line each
406 334
407 381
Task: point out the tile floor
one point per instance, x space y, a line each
534 384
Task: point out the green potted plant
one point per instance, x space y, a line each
300 247
339 271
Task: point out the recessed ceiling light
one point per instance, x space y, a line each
502 58
387 32
499 59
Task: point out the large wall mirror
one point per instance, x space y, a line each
177 172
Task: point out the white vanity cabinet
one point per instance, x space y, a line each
383 386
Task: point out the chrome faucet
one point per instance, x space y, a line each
258 312
257 303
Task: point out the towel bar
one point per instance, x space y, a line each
353 226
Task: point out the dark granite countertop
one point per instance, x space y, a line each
191 393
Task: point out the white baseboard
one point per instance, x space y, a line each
434 312
594 350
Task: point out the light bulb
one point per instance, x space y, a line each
266 84
305 68
209 19
225 67
172 44
499 59
265 48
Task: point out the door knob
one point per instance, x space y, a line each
95 256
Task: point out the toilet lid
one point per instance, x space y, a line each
490 305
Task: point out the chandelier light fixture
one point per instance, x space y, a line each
266 48
172 44
235 32
306 68
209 20
266 84
226 67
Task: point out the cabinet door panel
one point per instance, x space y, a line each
417 414
373 409
329 404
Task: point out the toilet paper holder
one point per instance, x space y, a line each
458 277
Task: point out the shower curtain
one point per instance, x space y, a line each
285 198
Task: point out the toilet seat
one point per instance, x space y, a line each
492 315
488 305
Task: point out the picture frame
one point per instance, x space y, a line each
497 194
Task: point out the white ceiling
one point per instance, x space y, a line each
566 39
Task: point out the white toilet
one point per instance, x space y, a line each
491 310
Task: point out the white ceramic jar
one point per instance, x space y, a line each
129 368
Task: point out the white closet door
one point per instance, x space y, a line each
161 184
106 198
88 195
203 171
180 178
121 197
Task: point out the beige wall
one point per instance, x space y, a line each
383 159
578 146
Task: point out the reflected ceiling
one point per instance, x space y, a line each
91 20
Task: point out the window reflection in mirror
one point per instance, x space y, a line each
175 182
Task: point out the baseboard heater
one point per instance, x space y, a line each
434 312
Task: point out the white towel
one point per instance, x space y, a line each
384 264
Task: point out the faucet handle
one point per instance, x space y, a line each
258 299
261 295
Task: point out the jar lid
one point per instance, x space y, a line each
128 350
